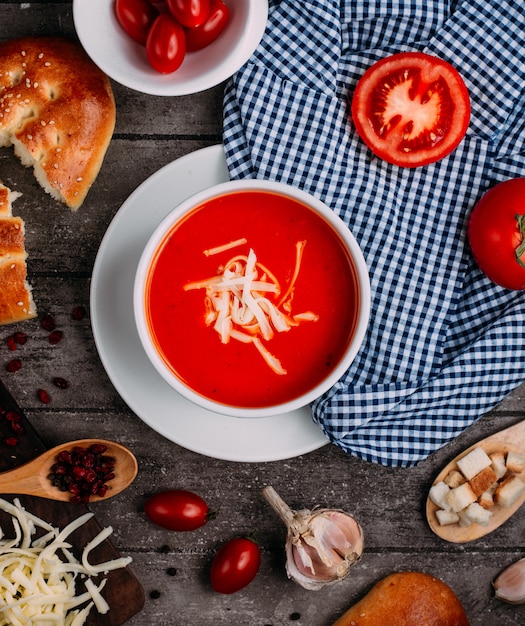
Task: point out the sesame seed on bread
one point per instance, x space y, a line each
58 112
16 301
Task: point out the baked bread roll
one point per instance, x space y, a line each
16 301
407 599
58 111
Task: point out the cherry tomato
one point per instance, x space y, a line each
496 233
201 36
136 18
411 109
166 44
190 12
177 509
235 565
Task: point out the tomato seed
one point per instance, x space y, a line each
43 396
14 365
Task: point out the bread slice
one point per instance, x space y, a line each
58 111
16 300
407 599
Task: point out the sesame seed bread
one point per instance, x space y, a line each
16 301
58 111
407 599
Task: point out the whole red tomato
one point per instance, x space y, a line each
235 565
166 44
136 18
411 109
201 36
190 12
496 233
177 509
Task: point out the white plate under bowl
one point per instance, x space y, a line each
141 387
125 61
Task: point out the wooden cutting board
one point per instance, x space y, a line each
123 591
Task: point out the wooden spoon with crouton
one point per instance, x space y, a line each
480 489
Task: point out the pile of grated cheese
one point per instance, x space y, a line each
38 574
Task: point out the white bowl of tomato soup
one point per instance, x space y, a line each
251 298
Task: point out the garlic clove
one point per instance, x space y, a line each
321 545
510 584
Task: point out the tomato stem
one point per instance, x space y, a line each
520 250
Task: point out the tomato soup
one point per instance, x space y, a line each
304 289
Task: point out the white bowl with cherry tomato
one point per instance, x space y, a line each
170 47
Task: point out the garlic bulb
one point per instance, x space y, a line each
321 545
510 584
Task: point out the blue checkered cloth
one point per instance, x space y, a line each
444 344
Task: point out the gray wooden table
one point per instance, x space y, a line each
389 503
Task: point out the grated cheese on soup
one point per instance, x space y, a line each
238 306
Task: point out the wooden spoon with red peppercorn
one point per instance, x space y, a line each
112 467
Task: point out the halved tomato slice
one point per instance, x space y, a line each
411 109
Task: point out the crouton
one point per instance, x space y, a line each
464 520
438 495
475 513
473 462
486 499
460 497
483 480
515 462
454 479
498 464
509 490
446 517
